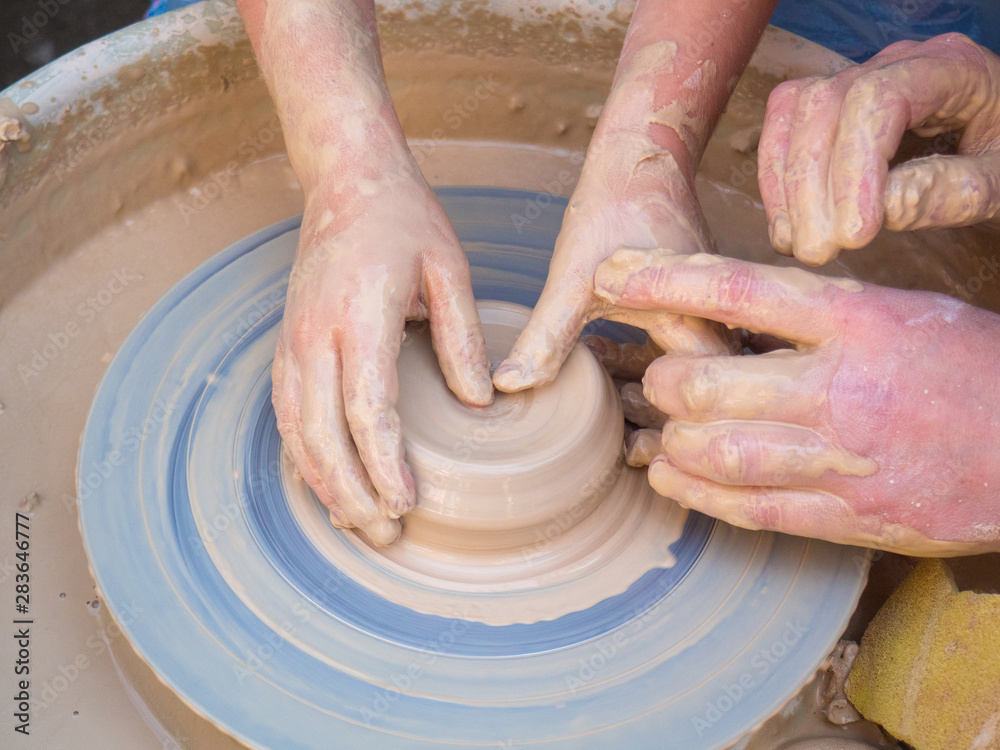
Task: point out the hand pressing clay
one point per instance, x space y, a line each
637 184
826 144
528 496
879 428
375 250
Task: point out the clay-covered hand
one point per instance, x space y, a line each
827 142
375 250
631 192
881 427
357 279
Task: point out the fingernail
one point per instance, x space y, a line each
483 389
780 230
510 377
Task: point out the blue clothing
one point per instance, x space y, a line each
855 28
859 28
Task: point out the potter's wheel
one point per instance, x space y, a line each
226 579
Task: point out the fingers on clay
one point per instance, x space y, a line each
327 438
549 337
807 170
772 156
638 410
286 397
642 446
457 334
879 107
371 389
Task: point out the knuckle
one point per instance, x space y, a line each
700 390
763 511
819 92
784 92
731 289
735 455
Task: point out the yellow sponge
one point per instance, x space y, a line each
928 669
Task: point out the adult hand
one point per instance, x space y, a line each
357 279
631 192
880 428
375 250
826 144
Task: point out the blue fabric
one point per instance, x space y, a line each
859 28
855 28
162 6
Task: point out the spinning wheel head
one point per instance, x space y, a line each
541 592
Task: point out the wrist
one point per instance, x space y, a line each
631 116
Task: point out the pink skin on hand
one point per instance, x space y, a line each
826 145
880 428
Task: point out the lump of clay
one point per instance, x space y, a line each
928 669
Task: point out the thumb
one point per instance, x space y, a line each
552 331
942 191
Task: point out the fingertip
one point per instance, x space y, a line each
383 531
780 233
510 377
663 477
856 224
516 374
478 390
641 447
613 274
816 254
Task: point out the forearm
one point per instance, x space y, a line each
690 54
321 62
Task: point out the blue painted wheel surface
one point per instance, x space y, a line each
180 457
